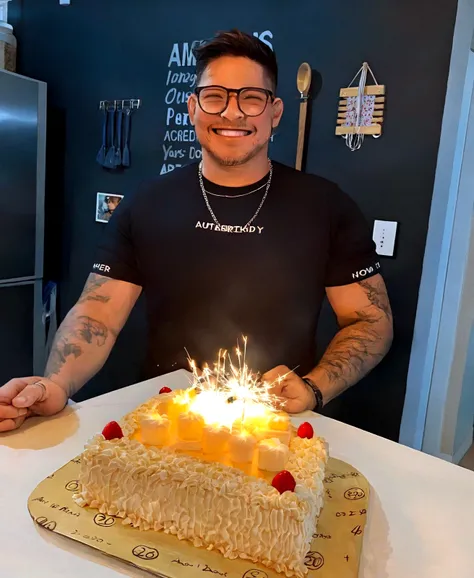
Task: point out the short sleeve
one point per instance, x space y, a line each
352 254
115 256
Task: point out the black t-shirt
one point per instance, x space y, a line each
206 286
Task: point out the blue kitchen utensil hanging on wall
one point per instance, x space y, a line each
118 147
103 149
126 146
116 128
110 157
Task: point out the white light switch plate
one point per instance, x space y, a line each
384 236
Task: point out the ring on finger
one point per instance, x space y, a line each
43 387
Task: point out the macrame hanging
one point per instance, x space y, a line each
361 110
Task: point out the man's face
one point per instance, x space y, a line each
249 134
112 203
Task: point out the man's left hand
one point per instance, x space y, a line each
296 395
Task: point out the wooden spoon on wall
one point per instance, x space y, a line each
303 83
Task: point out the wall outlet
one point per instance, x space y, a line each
384 236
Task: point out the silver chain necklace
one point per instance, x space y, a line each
206 200
237 196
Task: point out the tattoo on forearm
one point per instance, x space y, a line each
68 340
361 343
90 330
354 351
60 352
93 283
100 298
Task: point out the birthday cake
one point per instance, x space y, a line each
216 465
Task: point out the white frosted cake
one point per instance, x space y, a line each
249 487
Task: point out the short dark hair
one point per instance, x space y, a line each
236 43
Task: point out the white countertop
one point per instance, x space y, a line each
421 513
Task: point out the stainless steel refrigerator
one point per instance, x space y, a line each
22 181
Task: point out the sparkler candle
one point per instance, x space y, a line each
233 385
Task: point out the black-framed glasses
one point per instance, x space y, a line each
251 101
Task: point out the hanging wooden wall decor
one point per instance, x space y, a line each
361 110
303 83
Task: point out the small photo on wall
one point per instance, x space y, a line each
105 206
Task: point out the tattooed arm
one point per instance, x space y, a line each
86 336
81 347
365 318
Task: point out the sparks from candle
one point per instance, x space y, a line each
231 392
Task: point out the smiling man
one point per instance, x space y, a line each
236 244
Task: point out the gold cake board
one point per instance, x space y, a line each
335 550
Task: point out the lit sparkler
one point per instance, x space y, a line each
231 392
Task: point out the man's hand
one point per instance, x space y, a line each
296 395
22 397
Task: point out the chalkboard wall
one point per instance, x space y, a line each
91 50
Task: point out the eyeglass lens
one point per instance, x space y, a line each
213 100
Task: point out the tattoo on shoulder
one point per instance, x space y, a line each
377 295
93 283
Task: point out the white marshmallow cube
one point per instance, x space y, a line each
155 430
272 455
242 447
215 439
